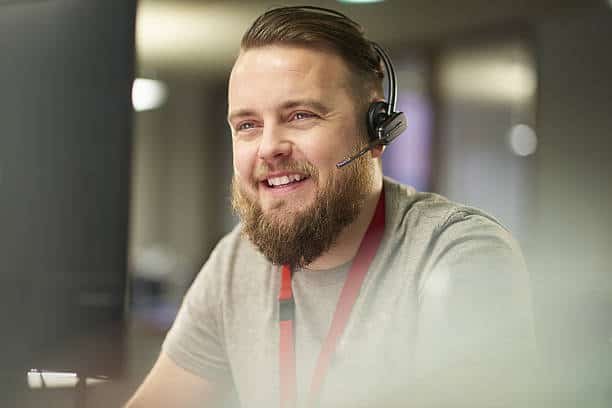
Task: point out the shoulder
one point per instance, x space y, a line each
230 256
445 233
232 246
404 201
432 215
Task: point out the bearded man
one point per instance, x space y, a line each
339 287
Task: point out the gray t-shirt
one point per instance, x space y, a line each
443 316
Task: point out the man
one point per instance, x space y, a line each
441 314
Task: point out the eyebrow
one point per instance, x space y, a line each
240 113
312 103
308 103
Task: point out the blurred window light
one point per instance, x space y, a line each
57 379
409 159
148 94
523 140
489 75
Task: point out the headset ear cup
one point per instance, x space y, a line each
377 114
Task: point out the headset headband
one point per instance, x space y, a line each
391 79
384 57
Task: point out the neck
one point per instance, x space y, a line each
349 240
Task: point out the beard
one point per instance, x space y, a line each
297 238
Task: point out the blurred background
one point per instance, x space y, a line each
115 163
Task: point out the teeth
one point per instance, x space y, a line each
280 181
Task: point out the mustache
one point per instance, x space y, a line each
303 167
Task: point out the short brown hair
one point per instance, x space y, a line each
320 28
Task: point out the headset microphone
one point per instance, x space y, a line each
383 122
357 155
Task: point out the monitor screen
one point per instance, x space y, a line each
65 108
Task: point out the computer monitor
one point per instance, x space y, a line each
65 129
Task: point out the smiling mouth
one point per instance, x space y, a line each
284 181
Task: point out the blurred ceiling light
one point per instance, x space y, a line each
505 74
189 34
53 379
148 94
523 140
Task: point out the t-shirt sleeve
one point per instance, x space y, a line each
476 336
195 341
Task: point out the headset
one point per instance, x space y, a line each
384 123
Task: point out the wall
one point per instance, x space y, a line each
182 172
569 249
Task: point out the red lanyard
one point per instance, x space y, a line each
348 296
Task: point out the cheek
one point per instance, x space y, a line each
326 151
244 158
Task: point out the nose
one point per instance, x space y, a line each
273 144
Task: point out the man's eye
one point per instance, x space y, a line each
303 115
245 126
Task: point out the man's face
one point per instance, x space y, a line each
293 117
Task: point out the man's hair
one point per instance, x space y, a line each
319 28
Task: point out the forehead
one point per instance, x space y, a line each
270 74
